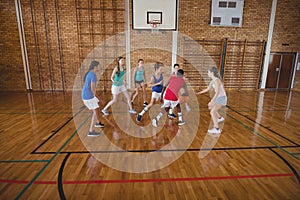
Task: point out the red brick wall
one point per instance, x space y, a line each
194 19
11 66
52 68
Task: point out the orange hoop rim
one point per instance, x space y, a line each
154 23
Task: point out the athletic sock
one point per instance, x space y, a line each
180 116
143 111
170 111
159 116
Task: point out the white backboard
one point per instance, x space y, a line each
143 11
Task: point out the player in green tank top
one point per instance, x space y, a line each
118 86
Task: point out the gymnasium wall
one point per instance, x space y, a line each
11 67
60 33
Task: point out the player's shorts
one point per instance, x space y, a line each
156 95
91 104
169 103
118 89
221 100
138 83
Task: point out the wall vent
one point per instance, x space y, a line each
227 13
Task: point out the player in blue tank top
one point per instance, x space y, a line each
157 84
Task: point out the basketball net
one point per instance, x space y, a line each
154 26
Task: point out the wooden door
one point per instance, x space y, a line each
280 71
273 70
286 71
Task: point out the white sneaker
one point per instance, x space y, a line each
220 119
132 111
154 122
214 130
180 123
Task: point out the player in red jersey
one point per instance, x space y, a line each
170 98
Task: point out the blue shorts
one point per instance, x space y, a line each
221 100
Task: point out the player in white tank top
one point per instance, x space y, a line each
218 100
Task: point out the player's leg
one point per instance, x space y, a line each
166 107
180 120
143 85
111 102
135 93
132 111
214 115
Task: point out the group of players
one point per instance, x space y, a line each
167 93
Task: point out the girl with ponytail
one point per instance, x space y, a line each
118 85
89 97
218 100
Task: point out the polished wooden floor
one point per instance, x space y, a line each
45 153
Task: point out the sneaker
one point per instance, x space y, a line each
145 104
99 125
220 119
93 134
105 112
172 116
154 122
138 118
214 130
132 111
180 123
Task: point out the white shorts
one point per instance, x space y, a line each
91 104
155 95
169 103
118 89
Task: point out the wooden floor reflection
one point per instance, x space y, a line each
46 153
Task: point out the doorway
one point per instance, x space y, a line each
280 71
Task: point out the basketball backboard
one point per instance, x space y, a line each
145 11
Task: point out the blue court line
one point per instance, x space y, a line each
51 159
263 137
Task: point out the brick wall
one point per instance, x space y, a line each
11 67
54 36
194 19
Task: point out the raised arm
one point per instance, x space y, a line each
164 88
205 90
151 82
